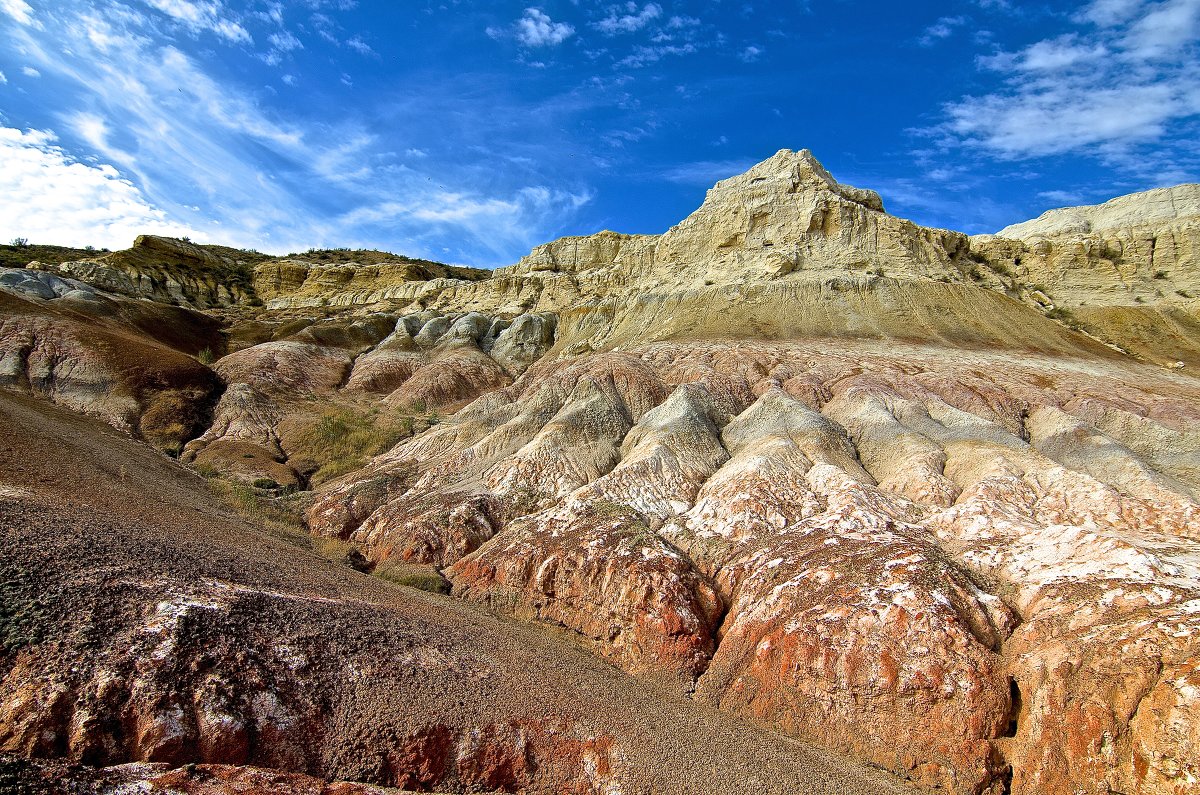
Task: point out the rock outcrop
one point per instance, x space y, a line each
1126 271
108 358
166 270
410 367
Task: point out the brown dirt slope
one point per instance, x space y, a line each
145 622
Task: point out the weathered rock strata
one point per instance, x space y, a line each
883 488
849 520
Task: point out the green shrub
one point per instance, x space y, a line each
412 575
608 508
206 356
265 483
1064 316
279 517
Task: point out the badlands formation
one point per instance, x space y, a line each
797 496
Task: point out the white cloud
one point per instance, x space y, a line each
201 15
646 55
29 71
182 140
1062 198
356 43
1050 55
1110 12
751 53
284 41
942 29
49 197
3 79
19 10
537 29
628 18
1164 29
499 222
1128 76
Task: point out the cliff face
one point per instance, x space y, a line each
204 276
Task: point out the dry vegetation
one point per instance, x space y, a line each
341 440
18 255
411 575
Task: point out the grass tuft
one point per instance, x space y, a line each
342 440
411 575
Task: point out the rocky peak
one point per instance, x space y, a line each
786 216
796 172
164 269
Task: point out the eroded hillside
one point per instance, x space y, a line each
924 500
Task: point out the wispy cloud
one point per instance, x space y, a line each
706 172
751 53
628 18
202 15
183 151
944 28
1063 198
282 42
358 45
1127 75
19 10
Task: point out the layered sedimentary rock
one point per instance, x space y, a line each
166 270
399 365
122 361
177 271
297 282
786 215
927 501
872 549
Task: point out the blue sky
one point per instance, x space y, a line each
469 131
